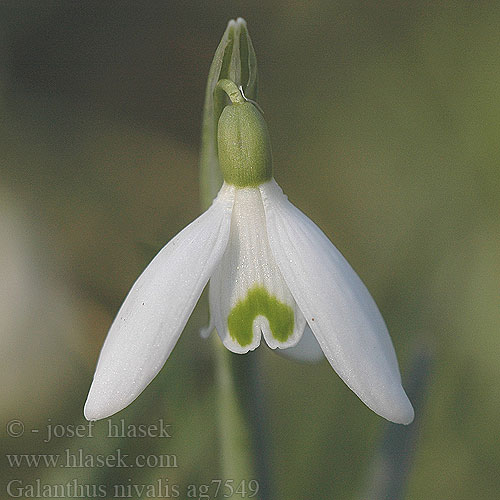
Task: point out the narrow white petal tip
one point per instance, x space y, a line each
206 331
407 418
96 410
101 404
93 413
402 412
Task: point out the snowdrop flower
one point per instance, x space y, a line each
272 271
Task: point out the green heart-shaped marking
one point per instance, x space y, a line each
259 302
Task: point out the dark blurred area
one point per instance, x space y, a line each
385 122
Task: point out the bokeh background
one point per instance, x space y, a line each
385 122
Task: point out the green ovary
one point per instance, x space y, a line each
259 302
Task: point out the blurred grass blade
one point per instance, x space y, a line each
391 467
235 60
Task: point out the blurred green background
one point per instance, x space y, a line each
385 122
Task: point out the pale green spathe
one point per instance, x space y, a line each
235 60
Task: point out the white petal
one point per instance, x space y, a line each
338 307
156 310
206 331
307 349
247 280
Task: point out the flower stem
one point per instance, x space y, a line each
232 91
234 430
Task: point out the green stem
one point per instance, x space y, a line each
229 88
234 430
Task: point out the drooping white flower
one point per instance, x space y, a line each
272 271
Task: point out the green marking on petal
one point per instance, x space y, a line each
259 302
